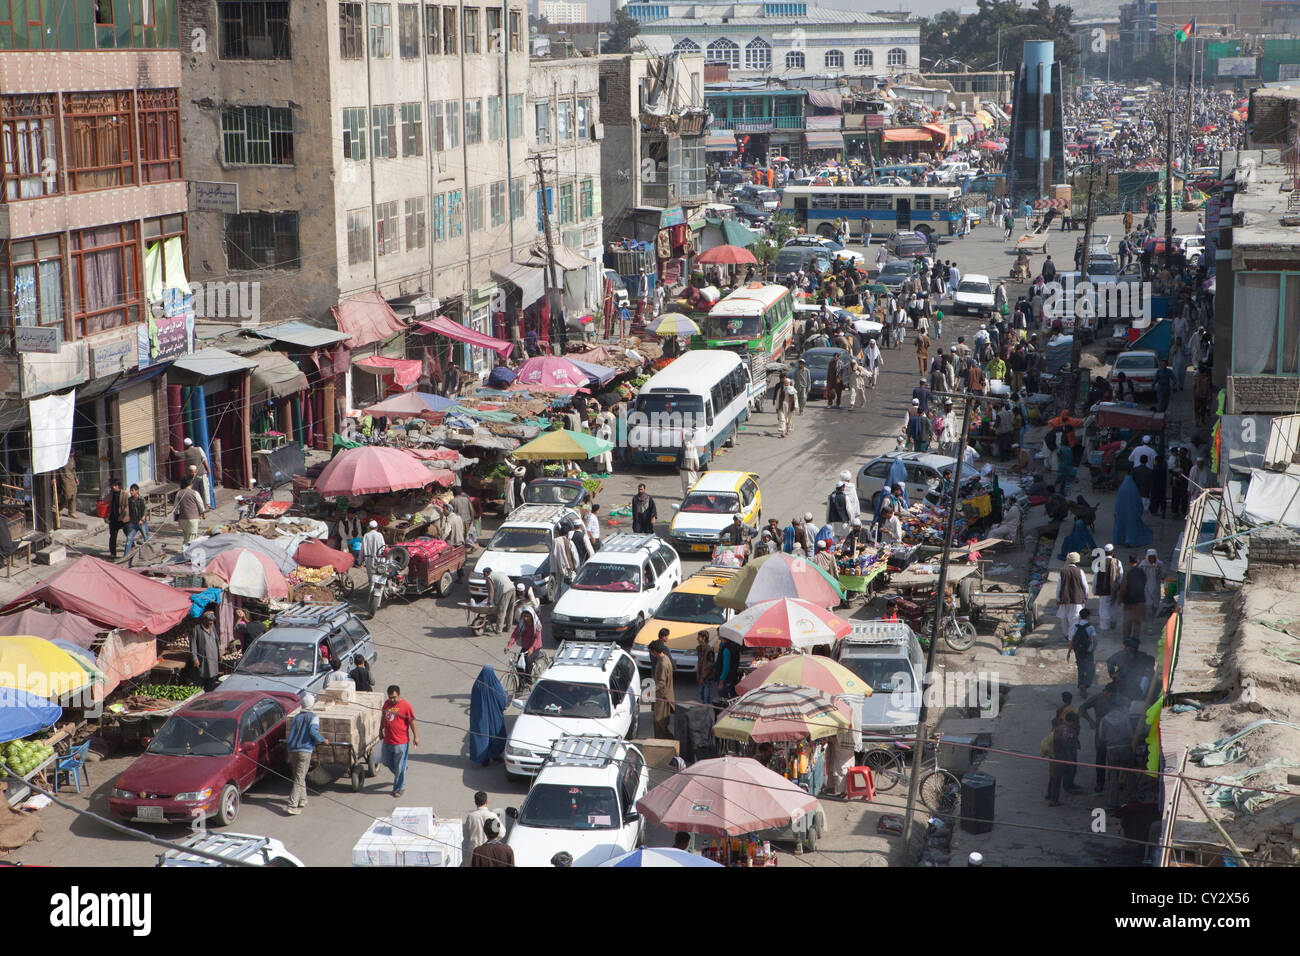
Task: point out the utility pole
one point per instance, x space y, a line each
1076 345
940 610
1169 186
1187 137
552 284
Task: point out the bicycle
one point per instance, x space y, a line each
940 790
517 675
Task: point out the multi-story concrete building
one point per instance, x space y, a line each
563 11
1142 22
378 148
93 219
757 40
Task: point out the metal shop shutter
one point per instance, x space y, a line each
135 416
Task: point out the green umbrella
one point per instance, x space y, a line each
564 445
777 576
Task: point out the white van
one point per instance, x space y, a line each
706 390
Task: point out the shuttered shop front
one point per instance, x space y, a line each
136 416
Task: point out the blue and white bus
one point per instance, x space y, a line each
814 209
704 394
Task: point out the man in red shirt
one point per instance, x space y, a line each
400 734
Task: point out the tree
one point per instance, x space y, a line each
975 41
622 30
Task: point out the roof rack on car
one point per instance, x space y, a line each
584 654
585 750
308 612
626 543
542 514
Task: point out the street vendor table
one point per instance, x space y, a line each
860 583
917 579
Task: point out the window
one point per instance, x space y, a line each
31 146
412 130
497 202
516 31
758 54
584 117
351 32
834 59
358 236
440 218
564 121
542 114
408 30
437 142
354 133
723 50
496 130
455 214
515 121
160 136
383 131
262 240
517 193
897 57
31 271
449 30
492 29
566 204
415 237
586 198
381 31
1265 334
254 31
387 242
603 89
686 45
863 58
473 122
452 123
475 202
545 204
257 136
164 255
105 277
794 60
471 30
432 30
98 141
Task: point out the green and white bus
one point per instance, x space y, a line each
758 317
815 209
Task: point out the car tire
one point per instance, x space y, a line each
228 805
810 839
733 438
445 584
634 729
552 592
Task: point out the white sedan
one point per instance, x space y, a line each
831 247
973 296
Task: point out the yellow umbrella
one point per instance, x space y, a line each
563 445
35 665
806 670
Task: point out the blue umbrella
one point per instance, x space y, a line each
660 856
601 373
23 713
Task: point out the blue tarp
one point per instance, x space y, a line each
1158 338
601 373
23 713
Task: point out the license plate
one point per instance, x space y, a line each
667 458
699 547
584 635
150 814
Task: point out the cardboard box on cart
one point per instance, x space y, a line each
356 723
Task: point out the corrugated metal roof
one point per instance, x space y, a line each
212 363
302 334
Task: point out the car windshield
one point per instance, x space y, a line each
604 576
818 360
1103 267
556 698
521 540
670 403
690 609
712 502
734 326
884 675
547 493
795 259
278 659
895 270
553 806
980 288
189 735
911 246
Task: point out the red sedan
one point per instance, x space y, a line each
206 755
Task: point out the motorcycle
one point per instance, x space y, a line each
386 576
956 629
249 505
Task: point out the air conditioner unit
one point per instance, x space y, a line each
598 131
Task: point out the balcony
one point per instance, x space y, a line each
757 124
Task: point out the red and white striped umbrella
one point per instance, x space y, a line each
785 622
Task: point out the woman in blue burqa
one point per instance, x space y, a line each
1130 531
1080 540
487 718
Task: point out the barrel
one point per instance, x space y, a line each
977 802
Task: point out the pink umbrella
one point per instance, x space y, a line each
373 469
249 573
550 373
785 622
726 796
726 256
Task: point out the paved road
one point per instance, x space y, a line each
425 647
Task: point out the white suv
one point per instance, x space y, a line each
588 689
617 590
583 803
521 548
887 656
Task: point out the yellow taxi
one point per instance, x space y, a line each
686 611
709 507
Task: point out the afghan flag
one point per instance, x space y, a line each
1182 35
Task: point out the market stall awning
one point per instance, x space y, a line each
302 334
826 99
824 139
441 325
277 374
940 133
109 595
366 319
721 140
212 363
565 258
985 117
906 134
405 372
408 404
529 280
734 233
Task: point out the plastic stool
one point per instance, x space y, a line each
859 782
